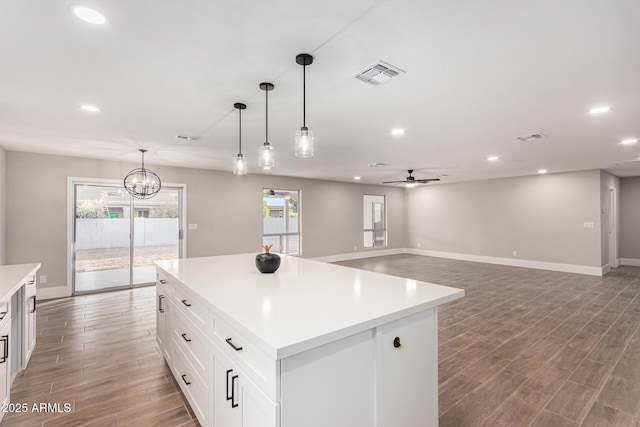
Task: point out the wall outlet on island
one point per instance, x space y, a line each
43 279
419 244
355 248
515 253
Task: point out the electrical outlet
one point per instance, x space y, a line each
355 248
515 253
193 226
43 279
419 244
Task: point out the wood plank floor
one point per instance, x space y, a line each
530 347
98 354
523 348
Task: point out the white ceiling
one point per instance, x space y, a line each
478 74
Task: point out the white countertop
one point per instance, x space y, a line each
11 277
304 304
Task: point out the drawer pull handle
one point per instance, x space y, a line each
5 340
184 376
229 397
34 305
228 340
184 301
3 314
162 281
184 337
233 391
160 307
31 282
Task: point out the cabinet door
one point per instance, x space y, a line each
238 402
5 364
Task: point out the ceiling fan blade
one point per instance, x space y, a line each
424 181
393 182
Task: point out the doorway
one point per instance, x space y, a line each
613 238
116 238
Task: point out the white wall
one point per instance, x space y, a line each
608 182
630 219
3 215
540 217
227 209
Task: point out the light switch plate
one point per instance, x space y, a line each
588 225
193 226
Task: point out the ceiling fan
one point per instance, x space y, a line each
274 193
411 181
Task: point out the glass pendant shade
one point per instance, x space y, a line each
142 183
304 143
267 158
239 165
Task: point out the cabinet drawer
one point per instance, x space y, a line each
192 386
192 306
257 365
193 342
30 285
166 284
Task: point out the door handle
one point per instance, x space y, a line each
233 392
160 307
34 304
229 397
5 340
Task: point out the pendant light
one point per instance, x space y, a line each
304 138
142 183
267 152
239 161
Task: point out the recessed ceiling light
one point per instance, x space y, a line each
542 171
357 178
89 15
397 132
629 141
493 158
599 110
90 108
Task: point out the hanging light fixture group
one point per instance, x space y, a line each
266 159
142 183
304 137
239 162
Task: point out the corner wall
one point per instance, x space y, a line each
3 198
227 209
540 217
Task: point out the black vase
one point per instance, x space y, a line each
267 263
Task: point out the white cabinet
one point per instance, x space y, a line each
237 401
5 364
29 315
163 319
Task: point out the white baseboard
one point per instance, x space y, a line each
52 292
605 269
539 265
630 261
358 255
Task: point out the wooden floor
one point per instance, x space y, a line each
523 348
530 347
98 354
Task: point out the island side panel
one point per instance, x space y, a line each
407 371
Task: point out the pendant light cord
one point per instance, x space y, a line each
266 122
304 95
240 131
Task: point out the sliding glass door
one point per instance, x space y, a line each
117 237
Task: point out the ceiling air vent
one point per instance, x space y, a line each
532 137
182 137
378 73
378 165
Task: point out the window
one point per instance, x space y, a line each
375 224
281 220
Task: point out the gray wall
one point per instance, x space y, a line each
541 217
607 182
2 206
331 211
630 218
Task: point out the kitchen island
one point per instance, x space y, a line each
314 344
